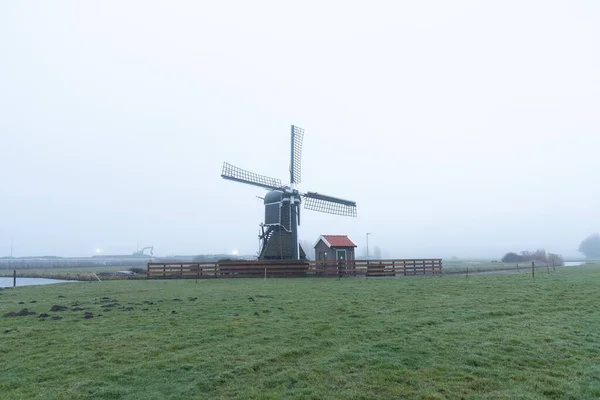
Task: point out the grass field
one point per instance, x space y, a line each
485 337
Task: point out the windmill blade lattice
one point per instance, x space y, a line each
328 204
296 162
237 174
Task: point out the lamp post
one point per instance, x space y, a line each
368 233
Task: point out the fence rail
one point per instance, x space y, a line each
290 268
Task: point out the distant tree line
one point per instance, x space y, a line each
590 246
214 257
539 255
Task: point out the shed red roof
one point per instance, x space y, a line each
338 241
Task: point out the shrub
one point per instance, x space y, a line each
538 255
512 258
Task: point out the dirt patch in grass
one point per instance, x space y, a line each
23 313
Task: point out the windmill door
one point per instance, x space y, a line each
340 255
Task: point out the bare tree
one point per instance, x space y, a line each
538 255
308 248
376 253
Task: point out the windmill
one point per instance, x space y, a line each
279 232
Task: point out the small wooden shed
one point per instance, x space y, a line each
334 247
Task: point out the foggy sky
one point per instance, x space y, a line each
463 128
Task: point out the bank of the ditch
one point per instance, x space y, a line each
495 336
78 274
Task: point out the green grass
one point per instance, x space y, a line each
485 337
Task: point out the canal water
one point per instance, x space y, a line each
574 263
8 282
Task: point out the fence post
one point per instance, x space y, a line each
467 272
14 277
533 269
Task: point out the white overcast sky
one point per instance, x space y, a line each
461 128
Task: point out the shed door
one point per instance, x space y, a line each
341 255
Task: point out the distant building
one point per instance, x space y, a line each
334 247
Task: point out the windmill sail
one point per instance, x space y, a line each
328 204
296 160
237 174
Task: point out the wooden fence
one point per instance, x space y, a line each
290 268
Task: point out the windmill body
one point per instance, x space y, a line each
279 232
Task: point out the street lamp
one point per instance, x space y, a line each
368 233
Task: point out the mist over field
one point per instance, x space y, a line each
463 128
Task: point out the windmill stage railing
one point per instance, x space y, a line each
293 269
